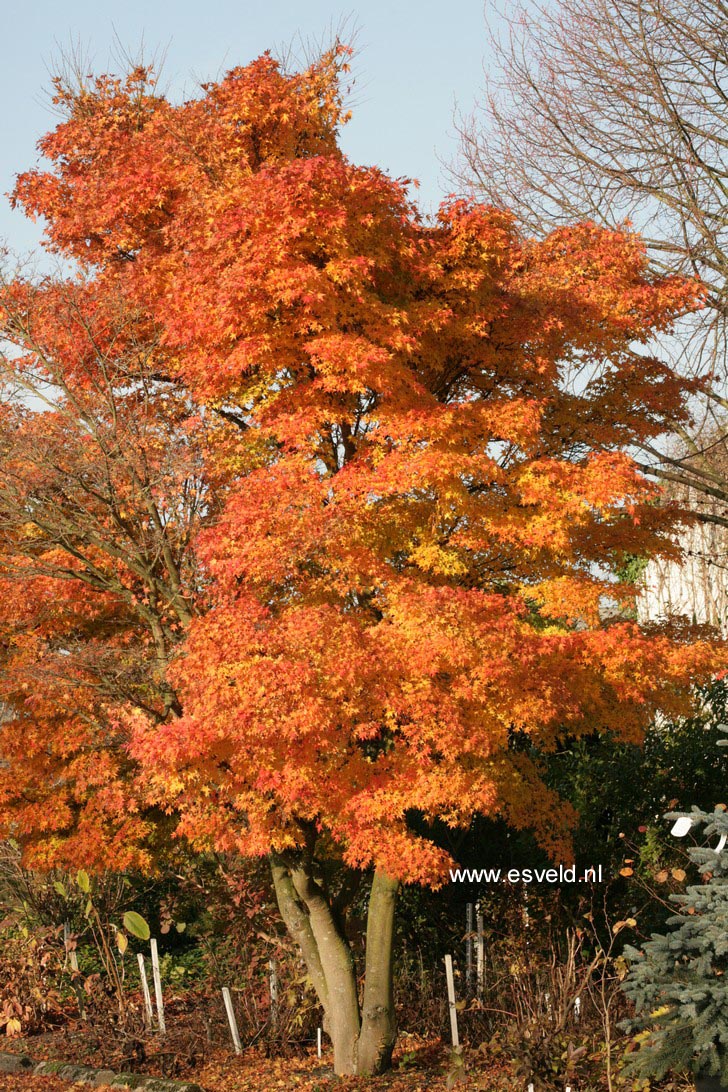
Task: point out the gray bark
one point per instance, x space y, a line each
363 1038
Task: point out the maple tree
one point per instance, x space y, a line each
102 488
316 534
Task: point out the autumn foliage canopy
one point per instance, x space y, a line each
316 527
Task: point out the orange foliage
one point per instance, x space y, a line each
417 490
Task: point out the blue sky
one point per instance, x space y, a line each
415 61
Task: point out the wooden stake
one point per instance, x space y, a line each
231 1020
148 1011
480 957
273 994
318 1041
158 988
70 952
526 915
451 1002
469 947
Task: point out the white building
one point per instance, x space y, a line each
695 589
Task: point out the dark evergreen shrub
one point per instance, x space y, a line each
678 981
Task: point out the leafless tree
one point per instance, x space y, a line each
617 110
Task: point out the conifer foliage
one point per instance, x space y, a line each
678 979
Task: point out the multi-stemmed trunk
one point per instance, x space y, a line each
363 1035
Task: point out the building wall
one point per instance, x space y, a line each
697 589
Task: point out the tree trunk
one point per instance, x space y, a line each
337 963
362 1039
378 1027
